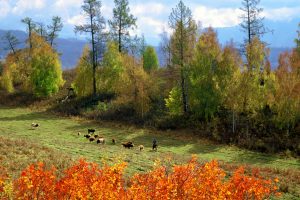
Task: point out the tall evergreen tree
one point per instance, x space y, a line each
182 44
12 42
41 29
121 23
94 26
252 22
30 28
297 40
54 28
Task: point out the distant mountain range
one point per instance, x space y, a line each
71 49
280 34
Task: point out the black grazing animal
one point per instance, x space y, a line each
154 145
87 136
34 125
128 145
92 131
113 141
101 141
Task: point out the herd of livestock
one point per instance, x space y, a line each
92 137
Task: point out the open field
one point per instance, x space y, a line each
56 142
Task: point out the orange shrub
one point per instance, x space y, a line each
36 182
3 178
242 186
195 181
87 181
190 181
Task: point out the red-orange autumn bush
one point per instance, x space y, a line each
190 181
196 181
35 182
3 178
87 181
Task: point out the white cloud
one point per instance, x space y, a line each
106 11
148 9
217 17
228 17
67 3
4 8
281 14
151 18
151 25
24 5
76 20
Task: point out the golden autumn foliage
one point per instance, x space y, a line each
135 86
3 178
37 69
18 65
287 95
6 188
46 72
6 81
189 181
84 71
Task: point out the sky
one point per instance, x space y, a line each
152 14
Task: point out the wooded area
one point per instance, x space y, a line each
227 93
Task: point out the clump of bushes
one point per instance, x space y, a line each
86 180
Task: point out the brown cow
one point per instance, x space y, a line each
128 145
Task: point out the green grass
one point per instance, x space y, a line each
58 137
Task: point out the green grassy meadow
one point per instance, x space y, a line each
56 142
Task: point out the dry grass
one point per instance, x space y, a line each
17 154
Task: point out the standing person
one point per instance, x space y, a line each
154 144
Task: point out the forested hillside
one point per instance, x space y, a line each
229 93
113 117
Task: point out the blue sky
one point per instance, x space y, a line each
152 15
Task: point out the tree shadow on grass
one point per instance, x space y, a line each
30 117
220 152
269 159
175 143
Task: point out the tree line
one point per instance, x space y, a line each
229 90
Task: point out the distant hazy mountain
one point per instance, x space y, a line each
71 49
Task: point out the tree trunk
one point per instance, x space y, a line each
249 23
29 35
184 99
233 122
120 34
183 78
93 54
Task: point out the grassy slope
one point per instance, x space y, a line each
58 137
